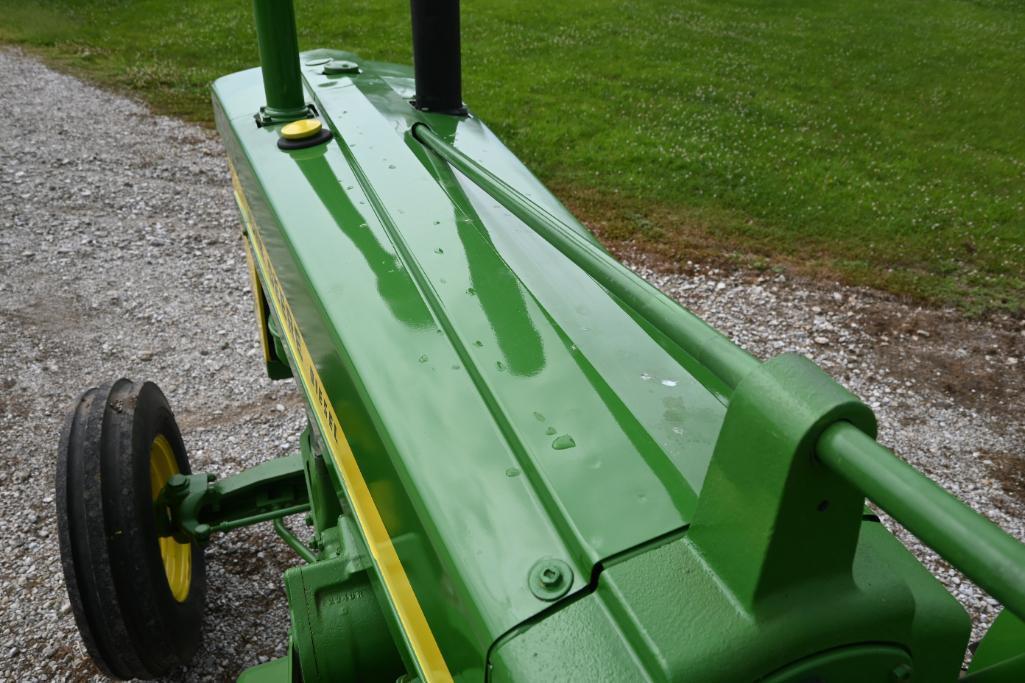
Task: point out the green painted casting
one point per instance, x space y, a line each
338 630
196 506
764 465
663 615
851 665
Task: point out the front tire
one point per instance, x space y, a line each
137 598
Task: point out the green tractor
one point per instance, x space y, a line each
523 462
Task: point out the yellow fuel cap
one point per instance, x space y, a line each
301 129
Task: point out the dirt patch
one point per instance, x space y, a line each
976 363
240 414
1010 471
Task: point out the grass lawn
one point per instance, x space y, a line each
880 142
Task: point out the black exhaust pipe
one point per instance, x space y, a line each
436 56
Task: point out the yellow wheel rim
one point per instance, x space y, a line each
177 556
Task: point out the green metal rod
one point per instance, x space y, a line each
293 542
986 554
709 347
261 517
279 59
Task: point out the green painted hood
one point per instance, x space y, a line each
503 406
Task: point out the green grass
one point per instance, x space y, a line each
878 141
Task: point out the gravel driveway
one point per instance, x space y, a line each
120 256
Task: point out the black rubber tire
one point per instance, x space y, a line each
131 624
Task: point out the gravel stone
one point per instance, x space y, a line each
120 256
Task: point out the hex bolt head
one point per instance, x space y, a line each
901 672
550 579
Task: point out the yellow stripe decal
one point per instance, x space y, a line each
414 623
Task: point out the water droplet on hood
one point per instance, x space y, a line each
563 442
